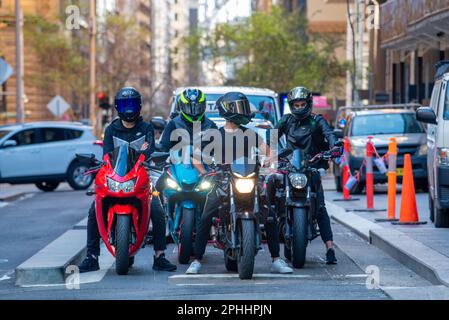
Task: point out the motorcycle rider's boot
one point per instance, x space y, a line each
194 268
330 256
280 266
89 264
162 264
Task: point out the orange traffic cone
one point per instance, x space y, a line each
409 212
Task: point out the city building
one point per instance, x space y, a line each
36 99
414 37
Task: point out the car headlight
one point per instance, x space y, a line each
422 150
126 187
205 185
443 157
298 180
358 151
172 184
244 185
252 175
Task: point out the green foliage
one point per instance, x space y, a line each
272 50
63 68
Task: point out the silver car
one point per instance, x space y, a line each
43 153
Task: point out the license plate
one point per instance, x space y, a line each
400 171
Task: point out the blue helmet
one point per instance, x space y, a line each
128 103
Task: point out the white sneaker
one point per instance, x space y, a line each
280 266
194 268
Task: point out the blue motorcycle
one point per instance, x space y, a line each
184 198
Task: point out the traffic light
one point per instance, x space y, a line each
103 101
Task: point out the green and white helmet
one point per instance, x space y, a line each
192 104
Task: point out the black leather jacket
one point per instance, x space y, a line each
312 134
116 134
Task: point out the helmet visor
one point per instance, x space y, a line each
193 109
129 105
299 104
299 94
239 106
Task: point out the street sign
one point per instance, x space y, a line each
58 106
6 71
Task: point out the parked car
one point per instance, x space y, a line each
437 118
383 123
43 153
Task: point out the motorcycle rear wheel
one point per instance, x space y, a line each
122 236
247 241
299 243
230 264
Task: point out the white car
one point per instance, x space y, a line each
264 104
437 118
44 153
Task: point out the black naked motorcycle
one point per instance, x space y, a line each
236 231
297 202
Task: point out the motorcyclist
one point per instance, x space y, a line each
192 110
129 128
234 107
311 133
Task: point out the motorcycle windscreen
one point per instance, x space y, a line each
297 158
123 160
244 166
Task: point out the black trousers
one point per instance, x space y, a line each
210 211
322 216
157 217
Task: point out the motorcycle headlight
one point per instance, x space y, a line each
172 184
443 157
422 150
244 185
205 185
298 180
126 187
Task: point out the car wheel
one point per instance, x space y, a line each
441 217
76 178
47 186
338 184
431 209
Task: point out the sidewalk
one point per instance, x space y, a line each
422 248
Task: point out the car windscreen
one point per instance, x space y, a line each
263 107
3 133
123 159
387 123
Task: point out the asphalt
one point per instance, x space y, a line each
347 280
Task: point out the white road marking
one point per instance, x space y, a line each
356 276
235 276
5 277
3 204
194 284
4 260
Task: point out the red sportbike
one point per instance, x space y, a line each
123 196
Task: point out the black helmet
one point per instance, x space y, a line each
128 103
235 107
300 94
159 123
192 104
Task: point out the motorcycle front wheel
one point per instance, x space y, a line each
122 236
299 232
185 244
247 241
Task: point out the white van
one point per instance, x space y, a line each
437 118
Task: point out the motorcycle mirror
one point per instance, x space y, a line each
86 158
